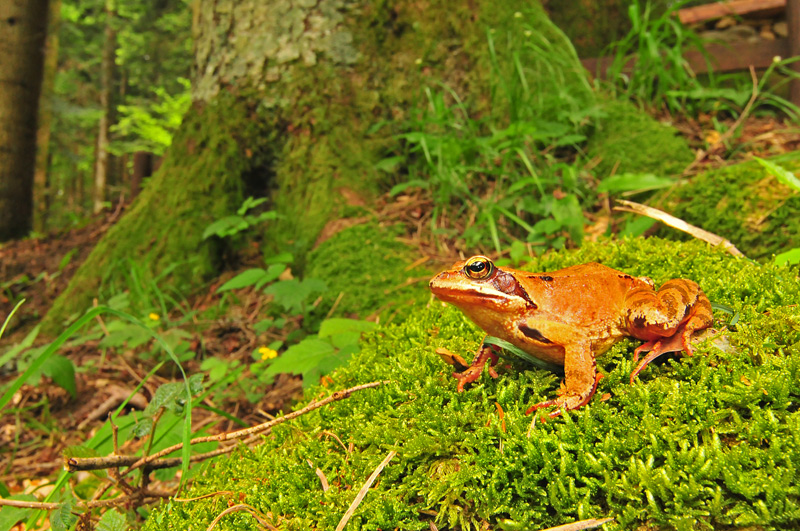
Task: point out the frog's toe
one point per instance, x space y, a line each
468 376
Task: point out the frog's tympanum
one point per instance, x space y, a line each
568 317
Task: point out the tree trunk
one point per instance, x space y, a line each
142 167
23 28
106 86
41 187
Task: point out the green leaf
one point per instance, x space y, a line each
62 518
779 172
633 183
14 351
293 294
62 371
790 257
389 164
338 325
225 227
508 348
243 280
112 520
280 258
11 516
303 358
217 368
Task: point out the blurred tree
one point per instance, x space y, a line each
23 28
150 61
41 192
107 70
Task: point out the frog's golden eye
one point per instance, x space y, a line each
479 268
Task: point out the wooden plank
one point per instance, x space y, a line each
723 57
690 15
793 22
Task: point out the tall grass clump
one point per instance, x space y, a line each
649 66
498 170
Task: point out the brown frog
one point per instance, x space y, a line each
570 316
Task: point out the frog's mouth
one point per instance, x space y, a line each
471 295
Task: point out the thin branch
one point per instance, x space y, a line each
677 223
29 504
592 523
76 464
155 460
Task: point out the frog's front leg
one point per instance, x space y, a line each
580 380
484 354
676 310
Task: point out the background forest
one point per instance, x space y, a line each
217 235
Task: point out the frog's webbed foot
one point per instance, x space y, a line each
567 400
486 353
678 342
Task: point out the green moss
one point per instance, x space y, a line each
366 269
628 140
216 150
742 203
704 442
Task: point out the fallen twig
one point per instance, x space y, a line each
677 223
591 523
150 461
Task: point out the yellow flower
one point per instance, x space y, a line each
267 353
154 316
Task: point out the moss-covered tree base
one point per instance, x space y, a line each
627 140
703 442
217 147
743 203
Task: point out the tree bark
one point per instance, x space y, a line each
41 187
106 86
23 28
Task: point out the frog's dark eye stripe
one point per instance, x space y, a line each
479 268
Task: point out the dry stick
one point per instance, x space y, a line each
246 508
113 461
363 491
121 500
228 436
672 221
29 505
592 523
732 129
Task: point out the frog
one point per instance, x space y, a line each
569 317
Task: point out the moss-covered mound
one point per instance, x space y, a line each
628 140
742 203
366 269
704 442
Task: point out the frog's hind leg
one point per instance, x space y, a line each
580 381
666 319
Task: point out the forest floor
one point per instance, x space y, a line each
39 269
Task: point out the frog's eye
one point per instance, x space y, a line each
479 268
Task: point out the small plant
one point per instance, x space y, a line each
231 225
662 76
